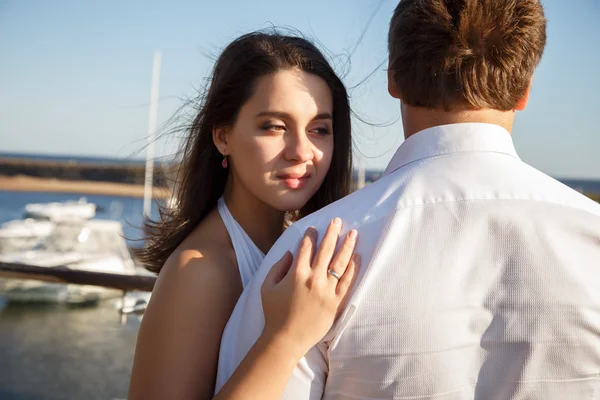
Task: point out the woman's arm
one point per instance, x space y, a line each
178 343
300 301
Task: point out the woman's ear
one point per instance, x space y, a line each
219 136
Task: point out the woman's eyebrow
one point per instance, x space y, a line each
284 115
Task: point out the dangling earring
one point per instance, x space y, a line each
224 162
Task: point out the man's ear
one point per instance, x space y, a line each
392 89
522 103
219 136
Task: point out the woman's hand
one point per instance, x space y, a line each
301 298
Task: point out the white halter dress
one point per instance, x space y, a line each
247 254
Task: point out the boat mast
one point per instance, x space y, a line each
153 114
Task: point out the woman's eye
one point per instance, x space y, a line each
322 131
272 127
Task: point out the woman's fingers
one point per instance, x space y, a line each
306 249
325 265
340 262
349 277
327 246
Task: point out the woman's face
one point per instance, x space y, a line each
280 147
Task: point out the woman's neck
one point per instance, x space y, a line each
262 223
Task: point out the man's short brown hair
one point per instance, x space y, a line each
465 53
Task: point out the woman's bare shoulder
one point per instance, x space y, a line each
202 270
178 342
206 254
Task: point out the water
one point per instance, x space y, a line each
60 352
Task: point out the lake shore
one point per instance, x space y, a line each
35 184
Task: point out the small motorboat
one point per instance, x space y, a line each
54 211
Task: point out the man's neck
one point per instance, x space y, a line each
416 119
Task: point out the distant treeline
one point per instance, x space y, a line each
124 172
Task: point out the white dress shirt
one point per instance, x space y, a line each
480 280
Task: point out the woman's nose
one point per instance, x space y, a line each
299 148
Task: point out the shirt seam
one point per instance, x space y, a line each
460 200
446 153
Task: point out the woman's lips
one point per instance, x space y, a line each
295 181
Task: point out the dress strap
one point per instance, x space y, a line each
247 254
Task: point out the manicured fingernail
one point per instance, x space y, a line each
356 258
352 234
310 230
337 222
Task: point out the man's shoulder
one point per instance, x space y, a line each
545 188
352 209
491 177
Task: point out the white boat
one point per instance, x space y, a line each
58 211
22 234
94 245
40 220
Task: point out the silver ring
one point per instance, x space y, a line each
334 274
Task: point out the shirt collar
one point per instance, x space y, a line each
454 138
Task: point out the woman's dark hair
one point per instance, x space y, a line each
200 179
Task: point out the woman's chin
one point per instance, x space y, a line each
292 200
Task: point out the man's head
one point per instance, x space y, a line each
453 55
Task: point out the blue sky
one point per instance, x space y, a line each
75 75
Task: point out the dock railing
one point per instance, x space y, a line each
63 274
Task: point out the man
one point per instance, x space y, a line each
480 275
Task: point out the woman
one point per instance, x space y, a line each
260 149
